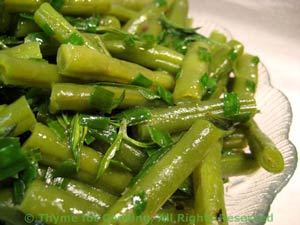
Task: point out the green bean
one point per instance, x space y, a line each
110 21
139 24
85 8
265 151
136 5
8 211
75 97
54 151
84 191
179 118
178 12
46 202
122 13
218 37
195 65
3 107
144 199
25 27
238 164
209 189
17 114
30 6
169 216
237 140
24 51
79 62
246 75
154 57
238 48
56 26
28 72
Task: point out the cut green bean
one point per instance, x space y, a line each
84 8
209 189
110 21
178 12
122 13
9 212
263 148
140 23
144 199
79 62
246 75
154 57
56 26
55 151
195 64
24 51
237 140
238 164
25 27
15 6
136 5
43 201
28 72
17 114
179 118
218 37
3 107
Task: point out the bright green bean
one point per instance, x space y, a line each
110 21
179 118
209 189
14 6
24 51
265 151
167 175
75 97
8 211
140 23
44 202
25 27
237 140
218 37
238 164
122 13
195 64
136 5
28 72
56 26
178 12
17 114
55 151
81 62
155 57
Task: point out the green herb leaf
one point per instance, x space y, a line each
204 54
102 99
48 30
76 139
67 168
75 39
56 127
231 104
5 131
160 2
163 139
57 4
208 83
117 102
26 15
12 158
95 122
89 24
140 203
149 94
141 80
134 116
107 135
18 191
255 60
111 152
165 95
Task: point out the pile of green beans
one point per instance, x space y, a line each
116 112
